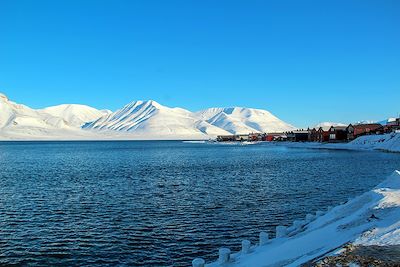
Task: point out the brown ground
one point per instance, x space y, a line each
387 256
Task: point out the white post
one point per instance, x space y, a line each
309 217
246 246
298 224
319 213
224 255
263 238
199 262
280 231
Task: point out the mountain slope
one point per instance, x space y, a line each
327 125
152 120
243 120
75 115
22 122
138 120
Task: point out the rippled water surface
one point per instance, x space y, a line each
163 203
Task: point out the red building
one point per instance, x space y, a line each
322 135
270 137
354 131
338 133
393 125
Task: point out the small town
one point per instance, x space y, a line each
325 134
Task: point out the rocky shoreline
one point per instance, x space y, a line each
350 255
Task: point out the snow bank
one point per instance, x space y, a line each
372 218
386 142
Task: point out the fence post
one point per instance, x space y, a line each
280 231
224 255
198 262
246 246
263 238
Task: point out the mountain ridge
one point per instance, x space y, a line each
140 115
136 120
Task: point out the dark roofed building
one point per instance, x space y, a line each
338 133
354 131
322 134
312 135
297 136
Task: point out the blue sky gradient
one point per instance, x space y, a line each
305 61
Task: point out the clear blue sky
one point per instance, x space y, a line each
305 61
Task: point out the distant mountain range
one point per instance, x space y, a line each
18 121
147 120
326 125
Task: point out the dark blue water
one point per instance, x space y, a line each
163 203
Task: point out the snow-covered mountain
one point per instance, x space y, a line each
137 120
385 122
243 120
152 120
144 118
75 115
22 122
326 125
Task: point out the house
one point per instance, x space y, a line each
255 137
226 138
297 136
396 127
393 125
242 137
312 135
275 137
354 131
393 122
337 133
322 134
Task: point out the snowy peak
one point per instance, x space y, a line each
243 120
3 97
136 120
75 115
20 121
126 118
148 104
150 119
327 125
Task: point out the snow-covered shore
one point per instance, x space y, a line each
370 219
386 142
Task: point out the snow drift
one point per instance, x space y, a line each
386 142
372 218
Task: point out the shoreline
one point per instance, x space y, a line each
371 219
